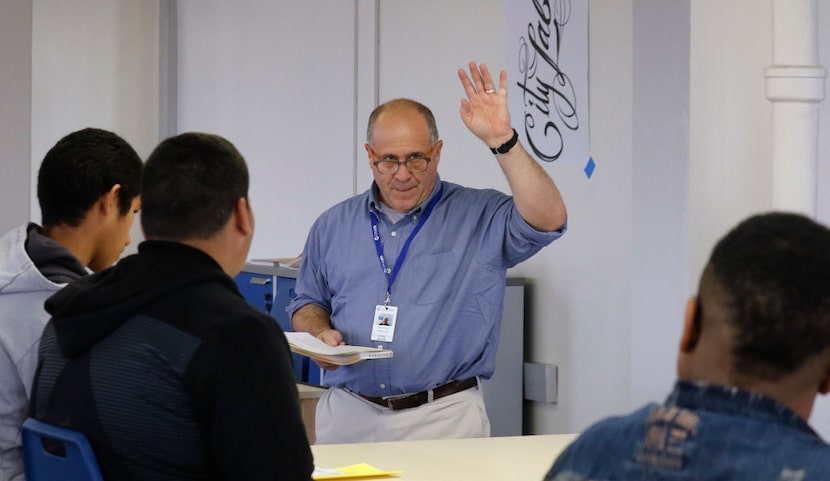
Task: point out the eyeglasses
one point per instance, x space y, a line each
415 163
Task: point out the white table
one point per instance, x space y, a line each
511 458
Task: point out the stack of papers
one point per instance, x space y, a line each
308 345
361 470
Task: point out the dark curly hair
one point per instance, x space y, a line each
769 280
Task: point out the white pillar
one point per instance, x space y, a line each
795 86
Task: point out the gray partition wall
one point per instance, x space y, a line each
503 393
16 118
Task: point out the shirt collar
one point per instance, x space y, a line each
374 198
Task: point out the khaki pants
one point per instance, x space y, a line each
345 417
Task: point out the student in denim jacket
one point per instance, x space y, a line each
754 353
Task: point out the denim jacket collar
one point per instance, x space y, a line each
732 400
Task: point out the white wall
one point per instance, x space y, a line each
730 152
581 284
823 201
421 47
95 66
278 80
660 192
821 412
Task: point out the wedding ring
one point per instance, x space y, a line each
490 91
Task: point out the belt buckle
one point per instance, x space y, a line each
406 402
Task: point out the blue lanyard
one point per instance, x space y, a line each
379 247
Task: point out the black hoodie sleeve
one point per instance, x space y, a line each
242 385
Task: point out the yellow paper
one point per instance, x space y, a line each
361 470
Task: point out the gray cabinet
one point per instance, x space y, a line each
503 393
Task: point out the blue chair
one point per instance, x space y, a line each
53 453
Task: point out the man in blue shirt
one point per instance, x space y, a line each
432 257
754 354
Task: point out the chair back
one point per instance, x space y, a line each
53 453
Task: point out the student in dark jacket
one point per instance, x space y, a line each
159 360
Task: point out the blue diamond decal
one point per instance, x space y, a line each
589 167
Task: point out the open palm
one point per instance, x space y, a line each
485 111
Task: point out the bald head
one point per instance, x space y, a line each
401 106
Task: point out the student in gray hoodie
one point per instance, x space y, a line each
88 189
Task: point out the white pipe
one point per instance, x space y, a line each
795 86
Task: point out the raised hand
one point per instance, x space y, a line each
485 111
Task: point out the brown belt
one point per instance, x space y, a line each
417 399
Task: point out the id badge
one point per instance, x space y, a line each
383 323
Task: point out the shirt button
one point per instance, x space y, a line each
388 270
380 346
383 386
394 233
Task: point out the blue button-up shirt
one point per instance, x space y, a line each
701 432
449 290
